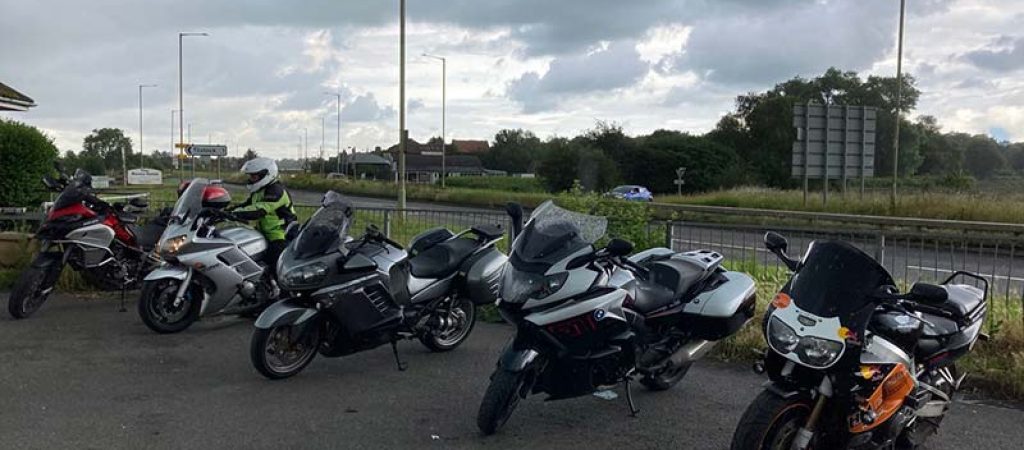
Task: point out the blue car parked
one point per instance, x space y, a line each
632 192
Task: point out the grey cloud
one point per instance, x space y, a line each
758 49
364 108
617 66
415 104
1007 59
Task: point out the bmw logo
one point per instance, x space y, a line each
599 314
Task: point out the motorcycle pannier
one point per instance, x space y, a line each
721 311
483 276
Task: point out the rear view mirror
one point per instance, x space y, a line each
775 242
139 202
515 212
619 247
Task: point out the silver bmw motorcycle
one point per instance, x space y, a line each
207 270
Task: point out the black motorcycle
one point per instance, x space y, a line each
853 363
350 295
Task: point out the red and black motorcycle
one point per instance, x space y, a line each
100 240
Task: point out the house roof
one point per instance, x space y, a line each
367 159
12 100
453 163
470 146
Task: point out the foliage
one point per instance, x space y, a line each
508 184
26 154
108 144
566 162
626 220
514 151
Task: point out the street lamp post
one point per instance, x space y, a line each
899 108
141 147
338 97
401 106
181 106
444 111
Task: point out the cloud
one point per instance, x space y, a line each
615 66
1008 58
364 108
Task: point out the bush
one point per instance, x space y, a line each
508 184
626 220
26 154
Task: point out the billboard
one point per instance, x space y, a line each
145 176
834 141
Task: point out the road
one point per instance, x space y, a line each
313 198
82 375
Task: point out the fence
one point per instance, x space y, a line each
912 249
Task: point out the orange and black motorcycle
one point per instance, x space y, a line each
854 364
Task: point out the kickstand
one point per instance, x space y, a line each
398 361
123 294
633 410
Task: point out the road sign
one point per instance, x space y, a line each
207 150
145 176
833 142
181 145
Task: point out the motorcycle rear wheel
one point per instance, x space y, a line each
32 289
771 422
500 400
278 363
157 310
462 312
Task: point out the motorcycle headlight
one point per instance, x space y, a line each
172 245
817 352
308 274
781 337
517 286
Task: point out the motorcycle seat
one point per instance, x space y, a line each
488 231
127 217
442 259
962 300
650 296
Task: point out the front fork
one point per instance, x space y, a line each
179 297
806 433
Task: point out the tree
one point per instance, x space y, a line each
514 151
982 155
709 165
249 155
26 154
939 156
564 162
110 145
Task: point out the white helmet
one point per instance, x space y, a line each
261 171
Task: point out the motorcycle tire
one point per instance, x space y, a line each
259 350
771 422
449 339
665 380
500 400
914 436
165 318
33 288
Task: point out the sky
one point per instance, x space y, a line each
260 79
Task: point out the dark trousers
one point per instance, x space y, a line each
274 250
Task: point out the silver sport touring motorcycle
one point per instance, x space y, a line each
207 269
589 318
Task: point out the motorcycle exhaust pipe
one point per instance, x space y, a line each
690 352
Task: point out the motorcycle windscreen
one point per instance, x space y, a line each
190 203
70 195
324 232
835 279
553 233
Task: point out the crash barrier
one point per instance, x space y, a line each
912 249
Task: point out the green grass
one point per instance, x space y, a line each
506 184
985 207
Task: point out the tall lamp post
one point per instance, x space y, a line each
181 107
141 147
444 111
899 108
338 98
401 106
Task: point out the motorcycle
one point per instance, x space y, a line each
854 364
101 241
350 295
589 319
206 269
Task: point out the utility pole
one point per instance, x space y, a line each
171 150
141 147
899 108
181 109
444 111
338 143
305 149
401 106
322 141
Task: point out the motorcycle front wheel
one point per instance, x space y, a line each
33 287
454 320
282 352
771 422
162 312
500 400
